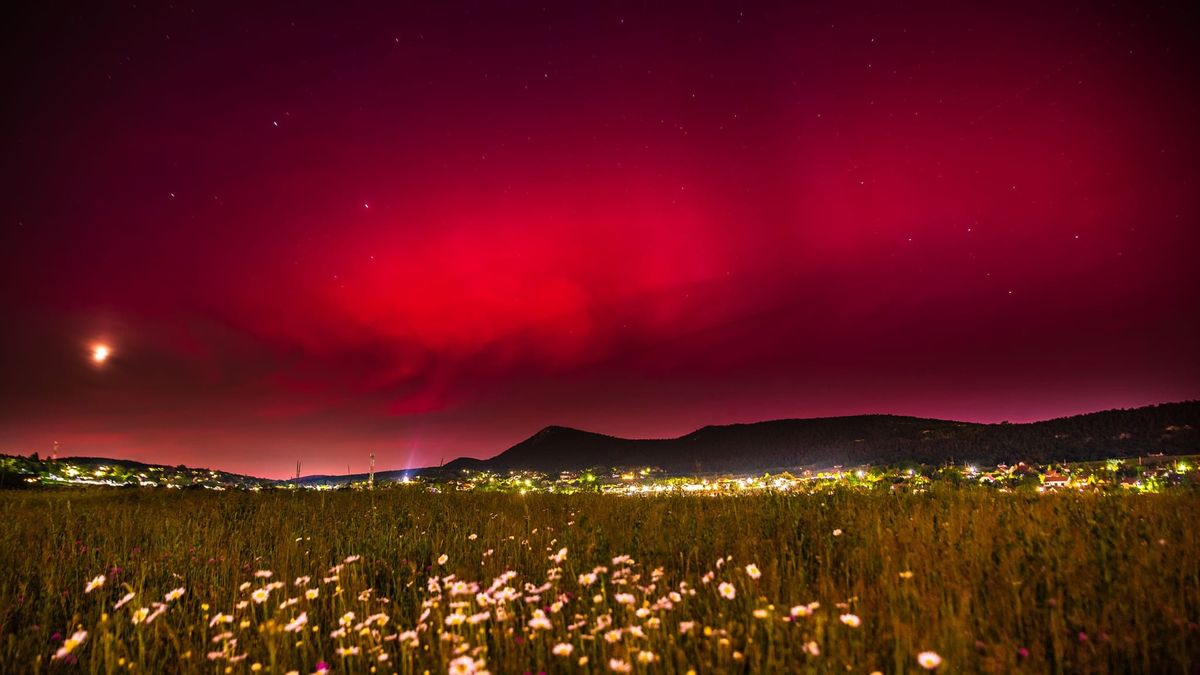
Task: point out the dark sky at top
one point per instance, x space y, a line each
428 229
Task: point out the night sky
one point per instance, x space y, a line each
313 230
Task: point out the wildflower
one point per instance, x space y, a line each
347 651
322 667
813 648
929 660
619 666
121 603
140 615
906 574
647 657
159 608
686 626
587 579
837 532
174 594
760 613
442 561
301 581
624 598
752 571
727 590
560 556
347 619
562 649
539 621
851 620
220 618
455 619
297 624
800 610
94 584
473 536
263 574
71 644
350 559
312 593
260 595
463 665
478 618
613 636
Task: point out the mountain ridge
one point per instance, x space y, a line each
859 439
818 442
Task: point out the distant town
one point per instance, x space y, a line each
1152 473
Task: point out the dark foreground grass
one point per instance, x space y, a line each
999 582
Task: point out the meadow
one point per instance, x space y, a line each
408 581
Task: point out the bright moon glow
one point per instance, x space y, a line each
100 353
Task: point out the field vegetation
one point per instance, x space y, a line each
407 581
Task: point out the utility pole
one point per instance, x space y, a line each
297 469
371 479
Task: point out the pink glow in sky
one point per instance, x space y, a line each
320 231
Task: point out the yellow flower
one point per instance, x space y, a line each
94 584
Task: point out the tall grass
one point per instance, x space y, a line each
1000 582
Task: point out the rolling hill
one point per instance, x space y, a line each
861 439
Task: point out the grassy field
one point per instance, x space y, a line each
847 582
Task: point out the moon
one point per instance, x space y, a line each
100 353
